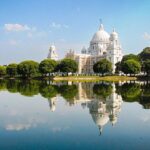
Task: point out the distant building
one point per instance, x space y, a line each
101 46
52 53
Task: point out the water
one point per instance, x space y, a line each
43 115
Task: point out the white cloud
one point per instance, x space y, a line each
58 25
17 127
146 36
16 27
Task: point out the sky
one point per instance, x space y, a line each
29 27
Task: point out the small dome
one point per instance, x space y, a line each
100 36
100 120
113 35
52 48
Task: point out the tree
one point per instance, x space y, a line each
103 66
68 65
146 67
2 71
145 54
118 67
131 66
131 56
28 68
11 70
47 66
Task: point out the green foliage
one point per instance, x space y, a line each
131 66
146 67
68 92
67 65
103 90
12 86
103 66
130 92
11 70
145 54
2 71
28 68
118 67
2 85
131 56
47 66
28 88
48 91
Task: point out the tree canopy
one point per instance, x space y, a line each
103 66
146 67
145 54
28 68
11 70
131 66
2 71
47 66
68 65
131 56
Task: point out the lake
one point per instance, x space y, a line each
42 115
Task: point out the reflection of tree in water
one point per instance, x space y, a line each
130 92
48 91
145 96
12 86
68 92
2 85
28 88
102 90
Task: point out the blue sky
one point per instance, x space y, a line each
29 27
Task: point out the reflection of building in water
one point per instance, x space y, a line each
85 93
52 103
103 111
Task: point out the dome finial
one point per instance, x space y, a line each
101 25
114 29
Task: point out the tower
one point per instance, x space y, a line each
52 53
114 50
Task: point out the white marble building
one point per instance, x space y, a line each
52 53
102 45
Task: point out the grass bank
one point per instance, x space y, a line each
94 78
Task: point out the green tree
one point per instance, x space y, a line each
2 71
146 67
68 65
131 66
145 54
118 67
28 68
131 56
103 66
47 66
11 70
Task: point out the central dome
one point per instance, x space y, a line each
100 36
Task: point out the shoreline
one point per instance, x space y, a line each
94 78
83 78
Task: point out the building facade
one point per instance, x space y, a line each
102 45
